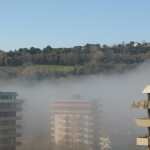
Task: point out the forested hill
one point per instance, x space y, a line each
55 62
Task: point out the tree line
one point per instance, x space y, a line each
90 58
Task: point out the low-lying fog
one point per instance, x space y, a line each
117 93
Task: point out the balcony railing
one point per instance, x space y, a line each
10 109
10 127
10 144
70 105
11 101
70 111
142 141
143 122
141 104
2 136
10 118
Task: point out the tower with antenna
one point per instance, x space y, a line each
144 122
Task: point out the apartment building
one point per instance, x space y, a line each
76 123
9 107
144 121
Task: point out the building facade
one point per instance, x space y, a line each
9 106
145 121
75 123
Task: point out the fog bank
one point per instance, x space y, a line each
117 93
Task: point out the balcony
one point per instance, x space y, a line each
2 136
11 101
74 142
73 117
70 111
61 141
141 104
10 127
61 117
61 123
71 105
74 130
61 135
10 109
61 129
10 144
142 141
74 136
74 123
10 118
143 122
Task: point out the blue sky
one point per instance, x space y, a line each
68 23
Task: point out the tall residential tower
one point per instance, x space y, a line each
75 123
9 106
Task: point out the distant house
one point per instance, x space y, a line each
136 44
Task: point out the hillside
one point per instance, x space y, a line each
47 63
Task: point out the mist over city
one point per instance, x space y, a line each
116 93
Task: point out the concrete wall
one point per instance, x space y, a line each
142 141
143 122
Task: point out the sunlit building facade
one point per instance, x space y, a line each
9 108
144 121
75 122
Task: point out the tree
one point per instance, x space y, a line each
34 50
131 44
22 50
47 49
104 46
3 58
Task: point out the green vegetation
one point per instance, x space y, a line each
35 71
55 67
46 63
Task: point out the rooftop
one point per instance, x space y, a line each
147 89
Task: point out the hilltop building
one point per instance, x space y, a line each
9 106
136 44
144 122
75 122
